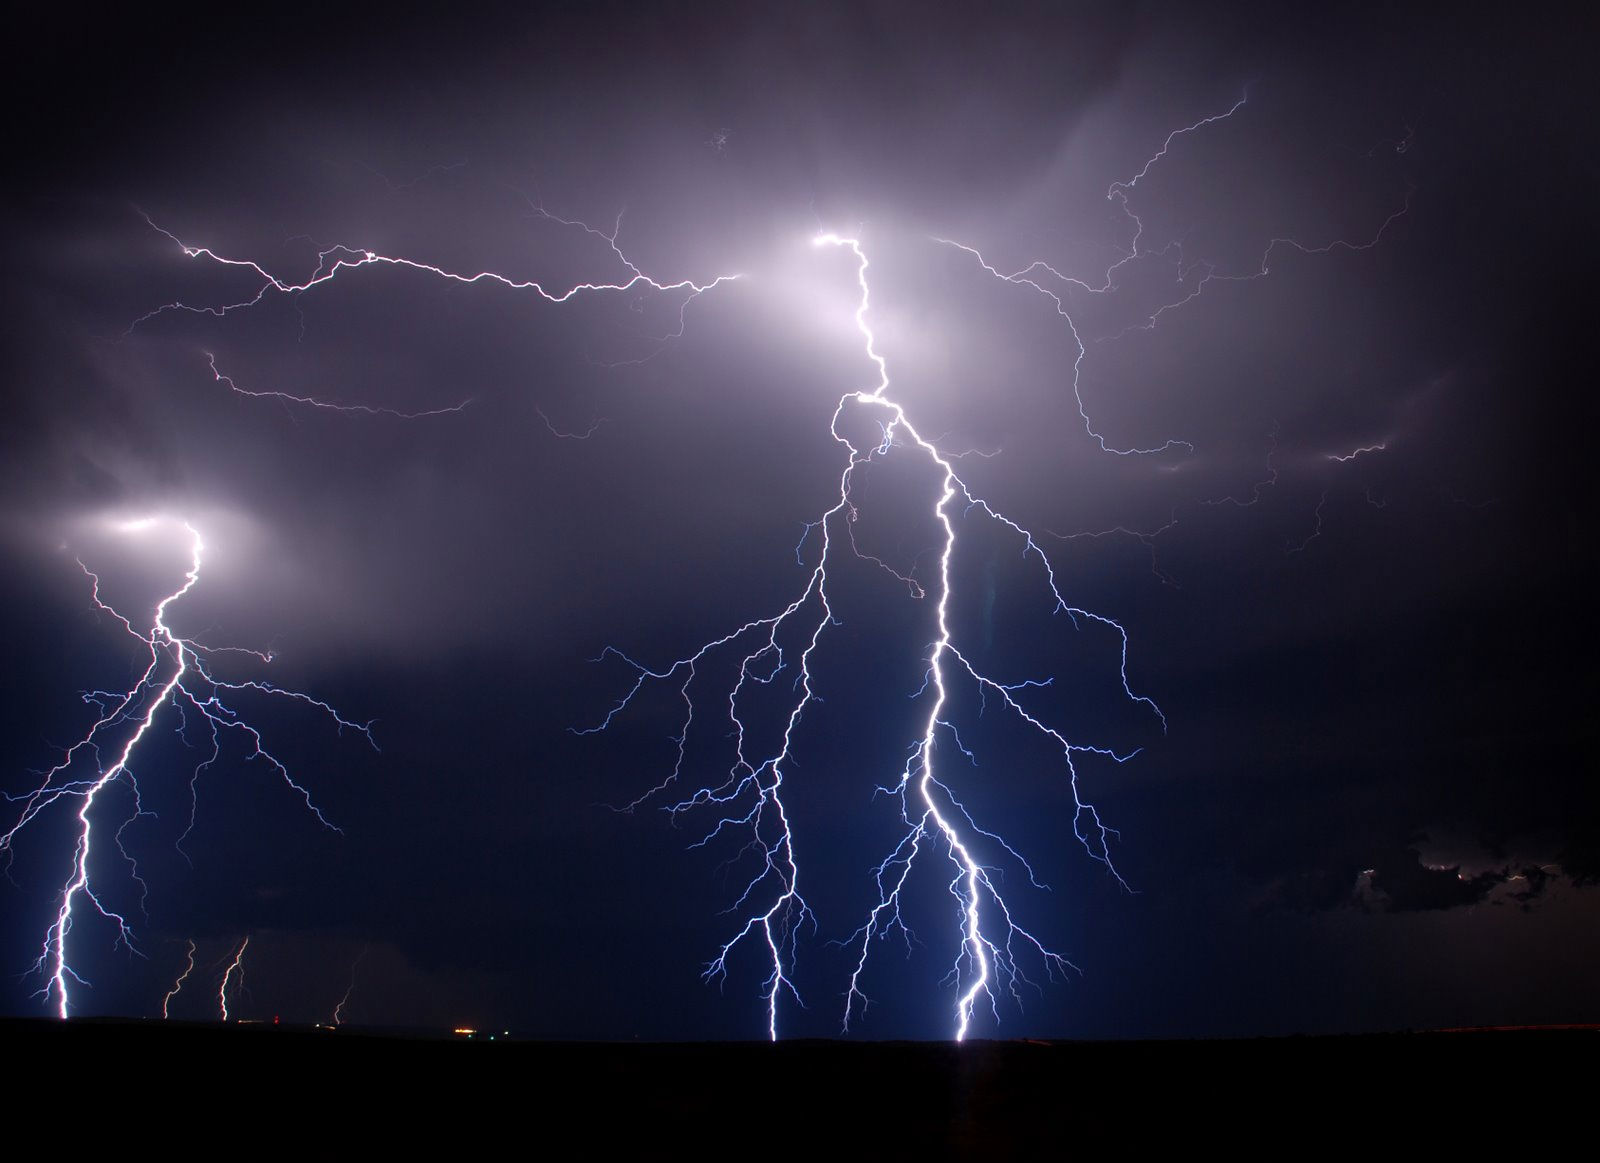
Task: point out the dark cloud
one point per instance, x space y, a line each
1405 884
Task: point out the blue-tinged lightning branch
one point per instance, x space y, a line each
181 686
995 949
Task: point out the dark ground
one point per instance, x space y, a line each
409 1092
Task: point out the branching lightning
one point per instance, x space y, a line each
178 674
995 951
993 943
177 680
1191 278
333 260
994 947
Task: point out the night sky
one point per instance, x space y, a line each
1374 805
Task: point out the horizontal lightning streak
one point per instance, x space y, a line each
328 405
332 260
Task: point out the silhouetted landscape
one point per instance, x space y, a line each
985 1098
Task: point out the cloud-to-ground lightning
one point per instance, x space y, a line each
235 969
177 986
338 1010
995 949
178 680
749 796
177 674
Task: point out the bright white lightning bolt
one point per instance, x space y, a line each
750 797
189 685
235 966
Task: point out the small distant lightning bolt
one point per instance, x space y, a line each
177 986
750 796
338 1010
235 966
1258 486
188 686
557 432
1316 529
1349 456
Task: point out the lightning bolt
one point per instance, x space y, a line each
747 799
177 986
1058 287
1347 457
993 944
334 260
178 675
338 1010
750 797
326 405
561 435
234 966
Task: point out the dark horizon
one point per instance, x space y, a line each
1352 571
